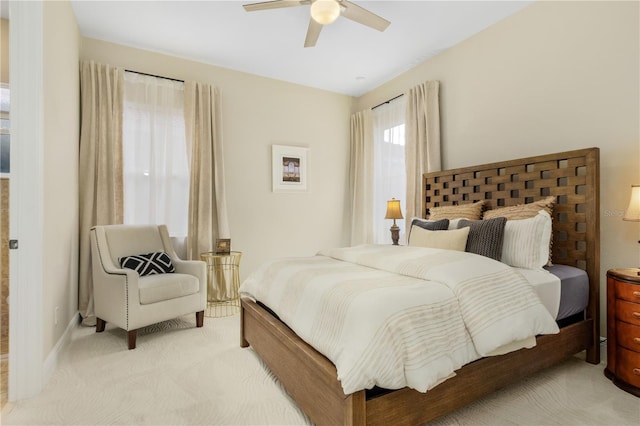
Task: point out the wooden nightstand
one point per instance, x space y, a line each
623 329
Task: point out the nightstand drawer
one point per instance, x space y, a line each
623 329
628 367
628 335
630 292
628 312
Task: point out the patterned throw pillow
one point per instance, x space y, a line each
485 236
472 211
148 264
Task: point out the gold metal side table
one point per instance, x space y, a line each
223 282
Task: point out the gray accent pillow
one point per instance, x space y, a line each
485 236
430 225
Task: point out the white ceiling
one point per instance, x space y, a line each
349 58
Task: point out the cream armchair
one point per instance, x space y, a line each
124 298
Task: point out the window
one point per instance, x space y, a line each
390 180
156 169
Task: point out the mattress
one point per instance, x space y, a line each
562 289
574 292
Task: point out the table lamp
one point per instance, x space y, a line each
394 212
632 213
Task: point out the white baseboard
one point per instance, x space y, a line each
51 363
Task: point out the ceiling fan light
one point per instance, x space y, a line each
325 11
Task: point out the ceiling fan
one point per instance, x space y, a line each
324 12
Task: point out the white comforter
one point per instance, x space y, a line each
401 316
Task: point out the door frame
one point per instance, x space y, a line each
26 217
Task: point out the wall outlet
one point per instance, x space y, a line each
56 314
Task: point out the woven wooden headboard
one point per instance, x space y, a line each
572 177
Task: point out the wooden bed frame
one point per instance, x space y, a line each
310 378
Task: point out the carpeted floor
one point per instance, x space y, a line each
180 374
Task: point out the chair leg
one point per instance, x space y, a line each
132 338
199 319
100 323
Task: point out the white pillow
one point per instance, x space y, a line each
448 240
526 241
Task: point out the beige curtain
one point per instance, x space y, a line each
207 202
101 91
361 178
422 145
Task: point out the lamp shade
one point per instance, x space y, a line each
325 11
633 211
393 209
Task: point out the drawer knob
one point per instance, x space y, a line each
636 293
636 340
636 371
636 314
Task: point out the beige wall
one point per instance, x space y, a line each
554 77
61 93
256 113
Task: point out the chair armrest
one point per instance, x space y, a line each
197 268
110 268
103 267
115 289
114 279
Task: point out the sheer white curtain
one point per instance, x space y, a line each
155 166
389 165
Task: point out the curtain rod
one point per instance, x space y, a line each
387 101
153 75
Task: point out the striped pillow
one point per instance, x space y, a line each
471 211
525 211
526 241
485 236
522 211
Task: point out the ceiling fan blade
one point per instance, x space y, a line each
312 33
363 16
276 4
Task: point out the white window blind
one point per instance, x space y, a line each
156 171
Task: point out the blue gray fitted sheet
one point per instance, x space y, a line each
574 289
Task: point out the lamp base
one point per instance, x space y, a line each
395 234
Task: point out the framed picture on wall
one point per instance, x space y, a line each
289 168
